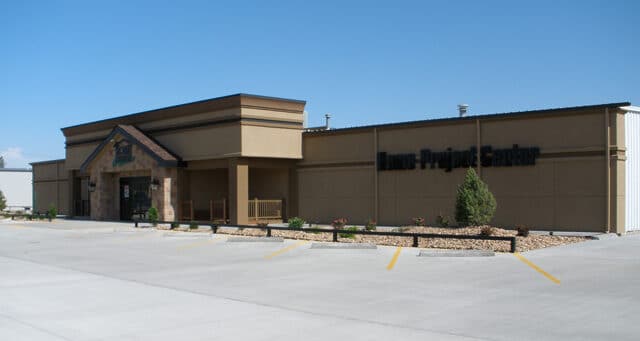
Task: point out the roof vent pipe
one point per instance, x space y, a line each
326 124
462 109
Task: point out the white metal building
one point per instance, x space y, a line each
16 185
632 168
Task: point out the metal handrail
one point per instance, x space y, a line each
335 232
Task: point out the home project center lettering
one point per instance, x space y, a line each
450 159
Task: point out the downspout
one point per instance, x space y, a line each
607 156
375 174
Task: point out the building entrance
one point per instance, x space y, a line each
135 199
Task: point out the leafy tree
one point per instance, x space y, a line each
475 205
3 201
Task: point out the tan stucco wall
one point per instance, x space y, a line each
271 142
203 143
341 192
247 146
220 128
565 190
77 154
51 186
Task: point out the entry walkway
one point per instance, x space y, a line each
85 280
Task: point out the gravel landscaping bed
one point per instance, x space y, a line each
532 242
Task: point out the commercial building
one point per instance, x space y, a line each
16 186
244 158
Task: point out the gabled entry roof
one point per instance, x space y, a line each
164 157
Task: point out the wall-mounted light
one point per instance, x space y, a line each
155 183
92 186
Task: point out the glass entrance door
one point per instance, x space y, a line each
135 198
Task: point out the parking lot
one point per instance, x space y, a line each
77 280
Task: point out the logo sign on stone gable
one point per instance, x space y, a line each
123 153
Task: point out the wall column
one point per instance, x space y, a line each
617 173
239 191
165 198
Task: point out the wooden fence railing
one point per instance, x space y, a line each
265 209
218 210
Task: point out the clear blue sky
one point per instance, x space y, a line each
64 63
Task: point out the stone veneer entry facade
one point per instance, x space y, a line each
234 158
104 201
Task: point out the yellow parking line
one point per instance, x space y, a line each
535 267
286 249
199 243
394 259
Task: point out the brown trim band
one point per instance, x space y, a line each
339 164
571 154
55 180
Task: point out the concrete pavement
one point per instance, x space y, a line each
76 280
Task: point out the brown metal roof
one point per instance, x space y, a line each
148 143
507 115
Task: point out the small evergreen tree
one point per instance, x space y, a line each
52 212
3 201
152 215
475 205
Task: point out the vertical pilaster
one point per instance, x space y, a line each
617 173
239 191
292 203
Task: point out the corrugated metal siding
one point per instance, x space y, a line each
632 168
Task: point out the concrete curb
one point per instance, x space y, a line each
605 236
456 253
255 240
186 235
344 246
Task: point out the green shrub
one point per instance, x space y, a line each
442 220
52 212
419 221
193 226
174 225
348 235
3 202
523 231
370 225
152 215
296 223
475 205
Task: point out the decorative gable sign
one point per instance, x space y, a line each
123 154
449 159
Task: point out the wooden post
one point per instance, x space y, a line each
256 208
224 210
